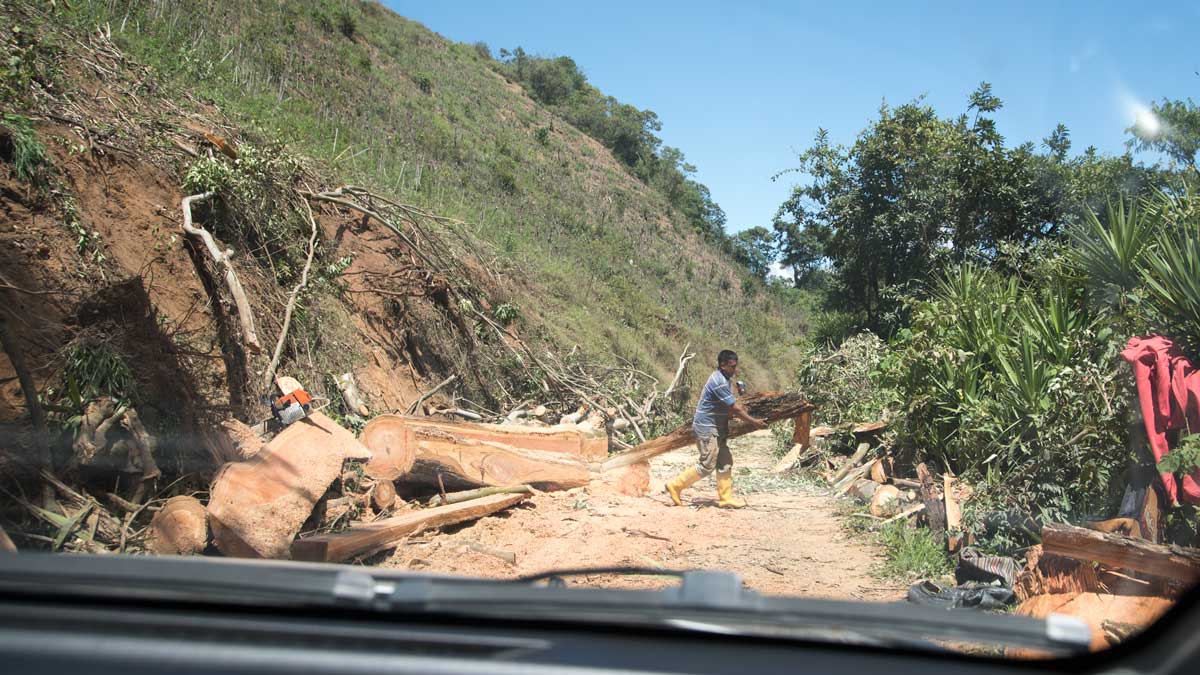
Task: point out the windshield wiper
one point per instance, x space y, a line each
703 600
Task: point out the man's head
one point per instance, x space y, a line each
727 362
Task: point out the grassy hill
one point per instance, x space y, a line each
595 257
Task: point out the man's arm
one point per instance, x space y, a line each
739 411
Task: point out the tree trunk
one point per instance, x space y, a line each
770 406
416 449
37 417
1171 562
853 463
935 508
372 537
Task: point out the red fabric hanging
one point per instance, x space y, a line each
1168 387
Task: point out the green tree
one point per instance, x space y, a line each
1172 128
755 247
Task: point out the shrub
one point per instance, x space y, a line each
424 82
21 148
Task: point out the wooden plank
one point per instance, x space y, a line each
953 510
771 406
800 433
801 442
1171 562
463 463
467 495
382 534
853 463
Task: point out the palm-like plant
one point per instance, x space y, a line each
1111 254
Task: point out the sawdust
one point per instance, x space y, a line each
785 542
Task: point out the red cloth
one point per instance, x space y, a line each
1168 387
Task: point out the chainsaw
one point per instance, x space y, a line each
290 403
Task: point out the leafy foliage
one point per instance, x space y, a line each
917 193
912 553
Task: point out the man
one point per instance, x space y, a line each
710 424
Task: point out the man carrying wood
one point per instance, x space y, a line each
710 425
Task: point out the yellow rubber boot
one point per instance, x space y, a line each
683 480
725 491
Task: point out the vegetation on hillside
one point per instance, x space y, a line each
607 245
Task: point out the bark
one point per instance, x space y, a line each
935 508
770 406
222 260
1171 562
416 449
467 495
369 538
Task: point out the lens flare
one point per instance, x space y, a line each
1147 123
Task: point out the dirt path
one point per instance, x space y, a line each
787 541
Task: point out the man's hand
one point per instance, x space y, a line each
760 423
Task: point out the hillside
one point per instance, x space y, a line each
505 247
592 255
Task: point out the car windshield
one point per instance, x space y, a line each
881 304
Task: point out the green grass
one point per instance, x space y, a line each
594 257
22 149
911 553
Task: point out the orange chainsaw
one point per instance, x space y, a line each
291 403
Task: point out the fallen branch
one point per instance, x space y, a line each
425 396
852 463
683 361
904 514
222 259
269 375
468 495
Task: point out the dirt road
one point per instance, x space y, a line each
787 541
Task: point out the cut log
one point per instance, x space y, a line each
258 506
1095 609
1177 563
467 495
821 432
906 483
398 440
179 528
769 406
383 495
863 490
850 478
370 538
854 463
953 511
463 461
789 460
244 441
885 501
935 509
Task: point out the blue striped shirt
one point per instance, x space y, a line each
713 408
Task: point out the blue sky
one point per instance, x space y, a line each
741 87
